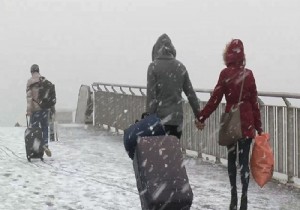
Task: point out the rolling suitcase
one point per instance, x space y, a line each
161 177
33 143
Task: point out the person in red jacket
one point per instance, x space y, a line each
229 84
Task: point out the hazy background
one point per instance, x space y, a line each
83 41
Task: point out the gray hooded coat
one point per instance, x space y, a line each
167 78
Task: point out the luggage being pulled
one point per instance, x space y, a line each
160 174
262 160
149 125
33 142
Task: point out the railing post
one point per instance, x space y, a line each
290 141
216 136
218 159
106 89
184 131
262 109
141 91
94 104
298 138
199 138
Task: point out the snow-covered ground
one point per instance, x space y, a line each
90 170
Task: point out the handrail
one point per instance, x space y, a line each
118 85
260 93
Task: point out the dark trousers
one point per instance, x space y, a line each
243 156
40 119
173 130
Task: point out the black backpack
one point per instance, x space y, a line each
46 95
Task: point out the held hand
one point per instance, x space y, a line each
199 125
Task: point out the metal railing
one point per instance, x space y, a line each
119 106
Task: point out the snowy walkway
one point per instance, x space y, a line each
90 170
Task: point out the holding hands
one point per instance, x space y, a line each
199 124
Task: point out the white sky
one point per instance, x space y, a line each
83 41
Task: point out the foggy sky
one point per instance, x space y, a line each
84 41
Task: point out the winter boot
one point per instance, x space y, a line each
234 200
244 202
52 137
47 151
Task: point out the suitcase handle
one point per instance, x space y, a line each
27 121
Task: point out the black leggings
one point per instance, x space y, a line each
244 148
173 130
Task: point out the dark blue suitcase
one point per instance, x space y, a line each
160 173
150 125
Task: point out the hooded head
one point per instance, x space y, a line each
34 68
163 47
234 53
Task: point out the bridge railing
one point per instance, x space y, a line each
119 106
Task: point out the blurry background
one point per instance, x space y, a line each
83 41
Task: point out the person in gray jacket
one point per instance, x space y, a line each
167 78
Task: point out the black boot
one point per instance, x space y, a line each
234 200
52 137
244 202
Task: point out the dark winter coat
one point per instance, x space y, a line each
167 78
229 84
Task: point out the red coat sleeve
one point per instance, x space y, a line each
214 100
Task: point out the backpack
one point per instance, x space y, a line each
149 125
46 95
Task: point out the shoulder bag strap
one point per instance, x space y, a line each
240 97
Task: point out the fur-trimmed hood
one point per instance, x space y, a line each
234 53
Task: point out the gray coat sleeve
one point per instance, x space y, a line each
190 93
151 103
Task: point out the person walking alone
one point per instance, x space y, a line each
38 116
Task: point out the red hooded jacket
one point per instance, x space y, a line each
229 84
